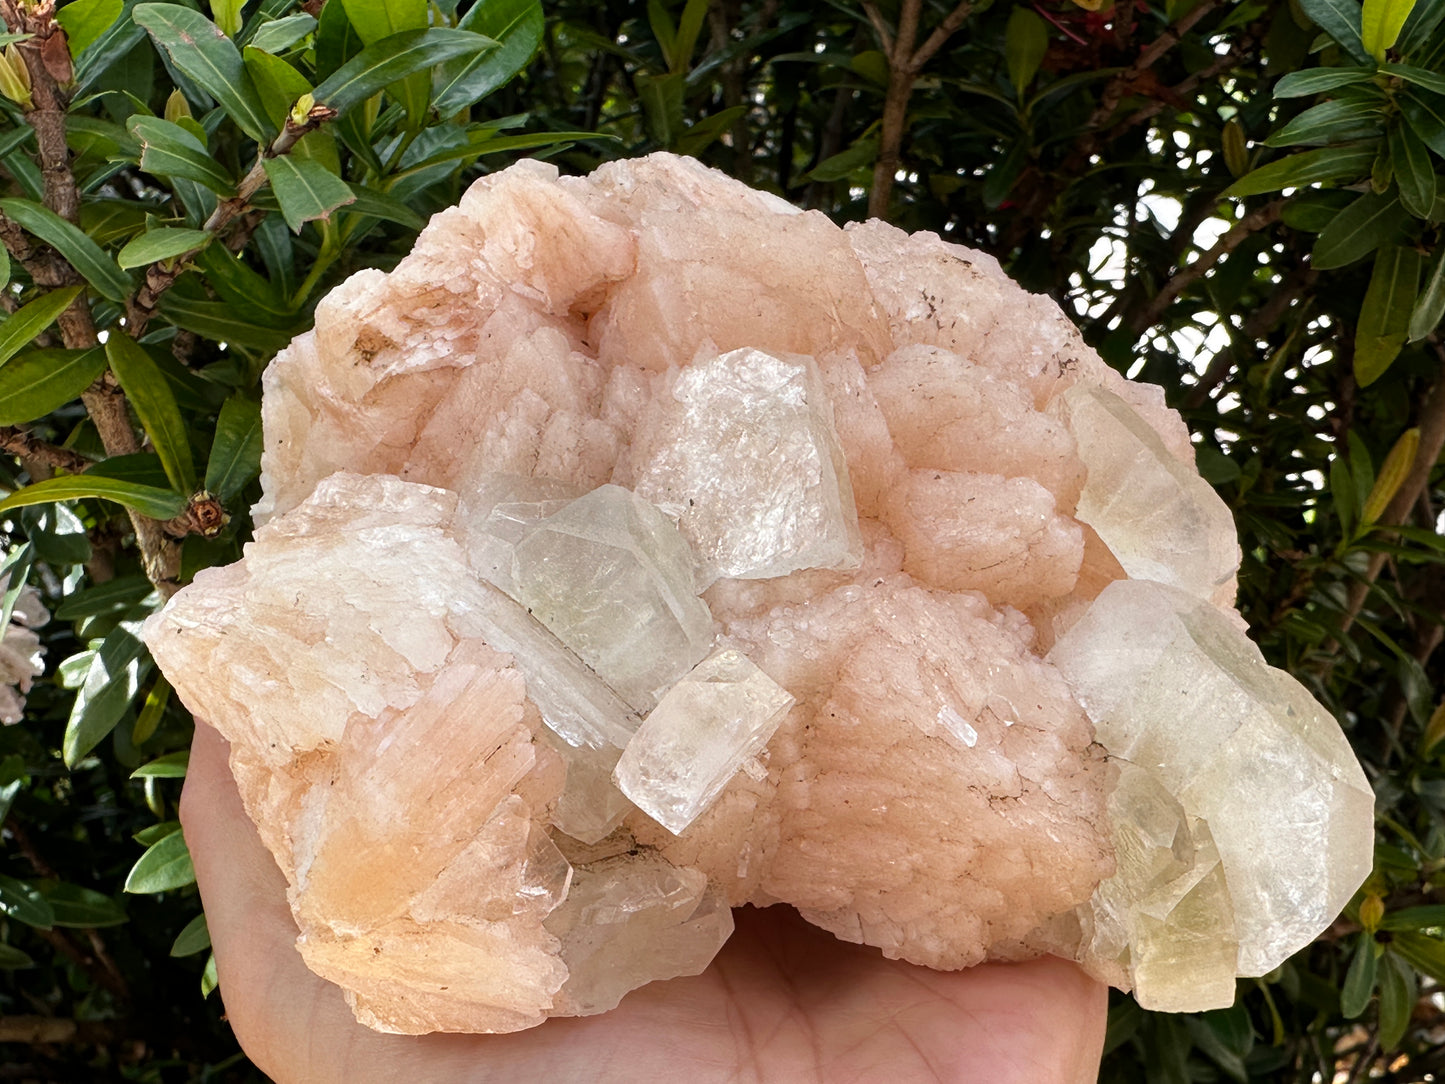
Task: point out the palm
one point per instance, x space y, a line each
782 1002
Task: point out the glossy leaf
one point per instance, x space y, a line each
1420 27
194 937
1341 20
1305 84
147 500
1431 81
379 65
236 451
1430 306
24 903
112 596
170 766
21 326
155 405
1329 122
277 82
1362 227
517 25
11 958
227 15
111 683
305 190
165 865
149 716
1025 42
169 150
1414 171
1359 983
83 908
1397 999
1425 113
368 201
1381 22
1307 167
1385 313
84 21
163 243
199 49
221 322
278 35
37 382
70 241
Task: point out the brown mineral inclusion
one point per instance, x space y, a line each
642 546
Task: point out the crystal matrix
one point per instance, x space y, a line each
926 609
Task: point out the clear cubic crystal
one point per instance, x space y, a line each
747 458
1173 686
499 513
614 580
698 736
1159 518
631 920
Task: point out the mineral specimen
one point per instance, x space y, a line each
642 546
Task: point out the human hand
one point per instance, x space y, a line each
782 1002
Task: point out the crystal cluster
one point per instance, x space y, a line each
642 546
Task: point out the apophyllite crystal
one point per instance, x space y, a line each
642 546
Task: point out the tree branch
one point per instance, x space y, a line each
1231 240
17 441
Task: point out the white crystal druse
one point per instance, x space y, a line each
642 546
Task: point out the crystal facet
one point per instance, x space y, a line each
696 739
1175 689
746 456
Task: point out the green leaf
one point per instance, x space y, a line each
24 903
86 20
374 204
1307 167
1329 122
1025 42
518 25
236 451
170 766
209 978
684 43
378 19
1420 26
1343 495
15 569
278 83
70 241
1425 113
1341 20
305 190
198 48
113 596
1359 981
221 322
1380 24
147 500
1397 1000
227 14
1431 81
168 150
12 958
155 405
21 327
111 684
379 65
156 832
162 243
1371 221
1318 80
194 938
1422 952
1414 172
149 716
237 284
1430 307
280 34
1416 918
83 908
860 155
165 865
1385 313
40 381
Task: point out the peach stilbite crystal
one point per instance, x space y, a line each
645 495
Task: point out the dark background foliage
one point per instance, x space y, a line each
1240 201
